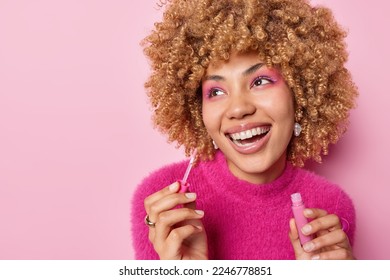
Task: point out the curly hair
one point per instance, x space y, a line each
304 42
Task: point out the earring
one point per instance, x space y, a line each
297 129
215 145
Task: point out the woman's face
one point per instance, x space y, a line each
248 111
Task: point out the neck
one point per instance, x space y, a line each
264 177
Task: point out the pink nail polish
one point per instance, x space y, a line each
173 186
308 247
300 220
315 257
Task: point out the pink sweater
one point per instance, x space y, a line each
242 220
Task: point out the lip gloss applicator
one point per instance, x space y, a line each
300 220
183 183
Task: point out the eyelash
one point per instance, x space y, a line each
260 78
213 90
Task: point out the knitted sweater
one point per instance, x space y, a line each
242 220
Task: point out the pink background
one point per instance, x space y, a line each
76 135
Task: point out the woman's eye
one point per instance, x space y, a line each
261 81
215 92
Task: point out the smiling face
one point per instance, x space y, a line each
248 111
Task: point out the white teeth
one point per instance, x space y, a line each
254 131
249 133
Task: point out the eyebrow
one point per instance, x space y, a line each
252 69
247 72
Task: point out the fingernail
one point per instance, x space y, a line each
308 212
173 187
199 212
190 195
306 229
309 246
315 257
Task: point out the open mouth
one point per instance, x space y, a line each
249 137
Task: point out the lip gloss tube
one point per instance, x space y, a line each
300 220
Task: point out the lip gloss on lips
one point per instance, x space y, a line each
183 183
300 220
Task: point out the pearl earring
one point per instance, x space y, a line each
215 145
297 129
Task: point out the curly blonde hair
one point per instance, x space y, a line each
304 42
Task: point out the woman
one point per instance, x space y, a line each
257 88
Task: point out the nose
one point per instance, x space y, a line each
240 106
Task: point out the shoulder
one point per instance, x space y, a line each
321 191
318 192
314 182
310 178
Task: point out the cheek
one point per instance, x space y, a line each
207 118
281 104
210 116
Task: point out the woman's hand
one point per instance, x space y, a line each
330 242
178 233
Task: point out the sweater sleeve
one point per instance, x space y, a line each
143 248
345 210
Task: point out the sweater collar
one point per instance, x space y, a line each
218 172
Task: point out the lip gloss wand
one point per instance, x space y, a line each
184 185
